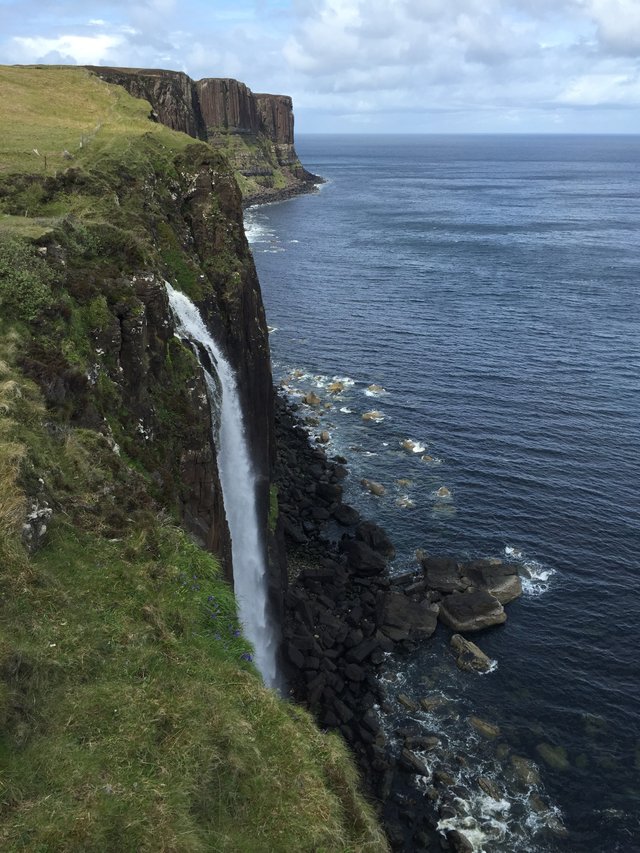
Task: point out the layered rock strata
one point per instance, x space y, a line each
255 132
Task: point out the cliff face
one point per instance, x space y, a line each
276 112
227 105
255 132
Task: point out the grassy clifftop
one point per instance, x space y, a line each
131 716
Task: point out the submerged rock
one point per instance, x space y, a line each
525 770
407 702
490 788
373 415
486 729
554 756
375 488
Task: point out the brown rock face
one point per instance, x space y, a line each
276 113
227 104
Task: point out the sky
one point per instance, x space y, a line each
369 66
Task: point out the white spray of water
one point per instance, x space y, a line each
238 490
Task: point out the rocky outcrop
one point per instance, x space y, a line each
255 132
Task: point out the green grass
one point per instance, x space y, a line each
131 719
53 109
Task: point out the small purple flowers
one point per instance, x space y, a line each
246 656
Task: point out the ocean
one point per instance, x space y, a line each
479 295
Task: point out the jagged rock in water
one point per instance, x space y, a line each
469 656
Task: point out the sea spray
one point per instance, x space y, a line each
238 489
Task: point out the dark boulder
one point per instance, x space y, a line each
471 611
376 538
416 619
362 560
443 574
346 515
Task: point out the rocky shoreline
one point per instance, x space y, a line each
344 617
306 185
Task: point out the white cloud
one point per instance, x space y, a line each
618 24
599 89
83 50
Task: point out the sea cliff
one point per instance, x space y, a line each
133 718
254 131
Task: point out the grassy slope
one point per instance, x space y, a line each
131 719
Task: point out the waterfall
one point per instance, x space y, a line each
238 490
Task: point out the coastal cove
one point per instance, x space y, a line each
478 294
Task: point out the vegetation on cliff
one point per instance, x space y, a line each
131 715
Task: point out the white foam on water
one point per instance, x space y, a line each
534 575
238 482
412 446
346 410
347 381
405 502
272 329
431 460
257 228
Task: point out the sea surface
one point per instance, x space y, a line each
490 286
